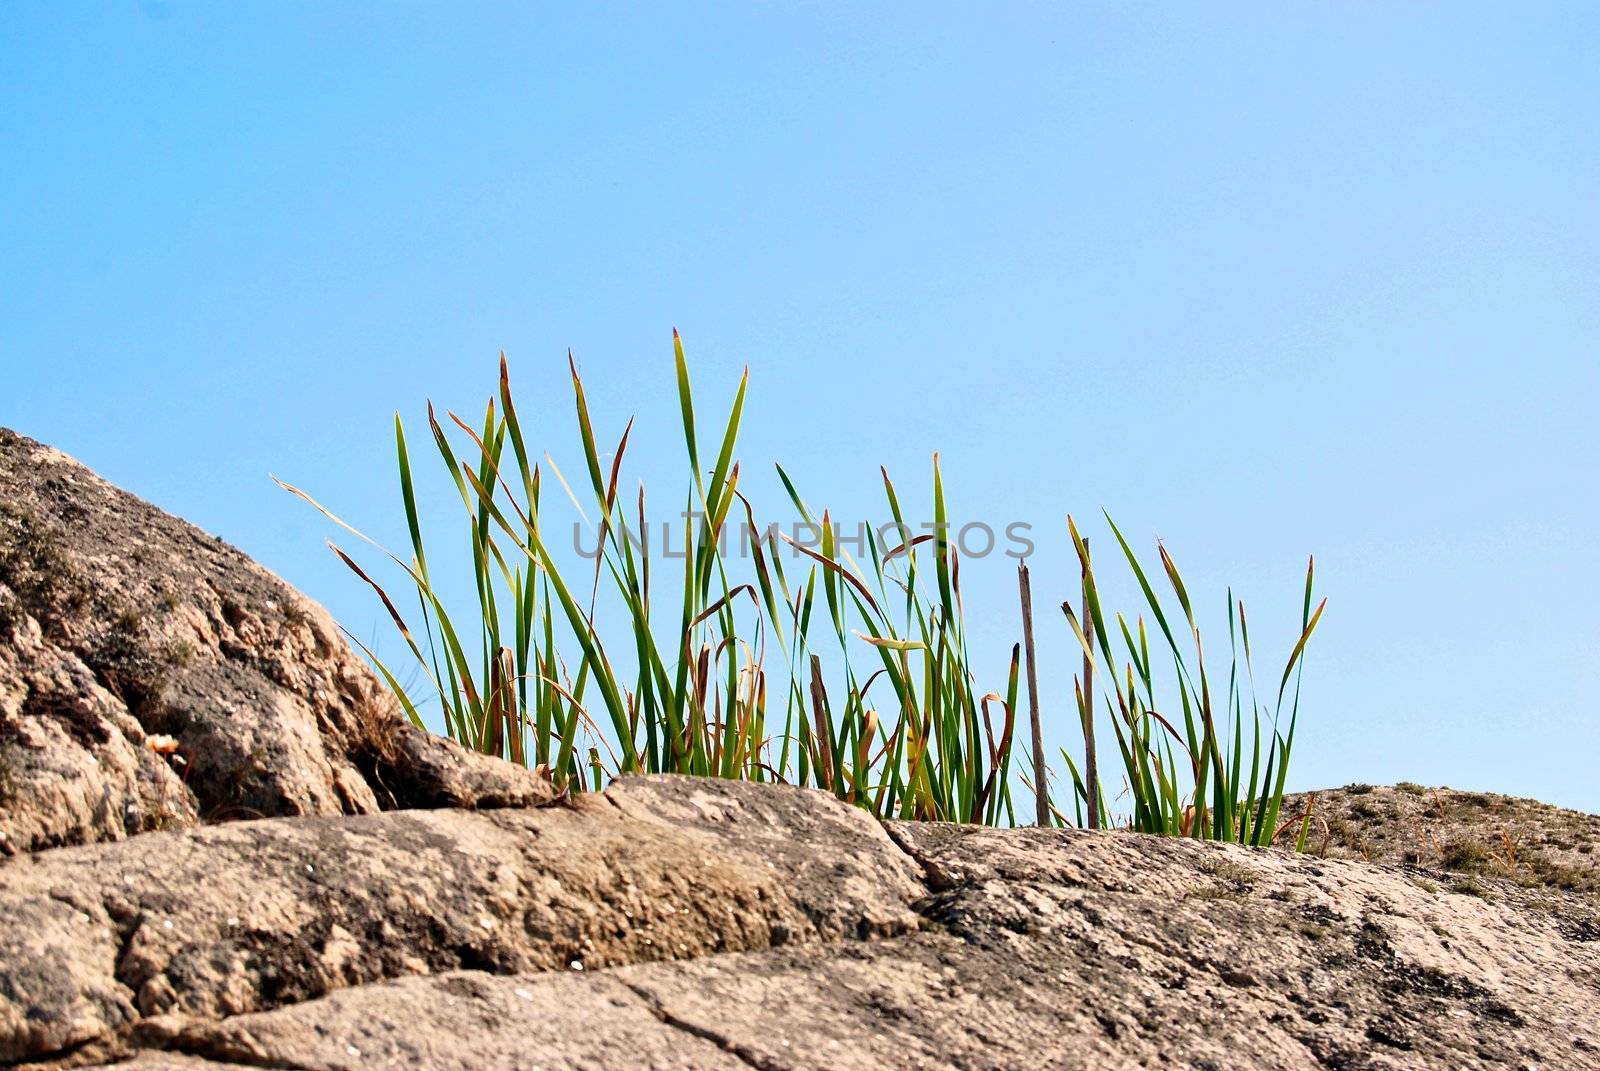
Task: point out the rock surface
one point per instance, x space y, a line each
365 916
670 922
119 622
255 915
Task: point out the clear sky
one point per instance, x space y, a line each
1263 280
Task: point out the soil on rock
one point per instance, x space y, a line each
1468 836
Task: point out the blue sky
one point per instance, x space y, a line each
1262 280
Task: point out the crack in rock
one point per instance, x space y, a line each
721 1041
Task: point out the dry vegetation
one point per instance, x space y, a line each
1469 836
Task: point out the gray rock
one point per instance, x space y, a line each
119 622
681 923
225 920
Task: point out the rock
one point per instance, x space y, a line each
230 919
320 886
121 625
671 922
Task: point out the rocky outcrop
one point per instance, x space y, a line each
120 623
671 922
318 885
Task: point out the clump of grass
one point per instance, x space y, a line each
1539 870
849 673
10 611
124 659
1210 793
1367 812
1240 877
1465 856
701 695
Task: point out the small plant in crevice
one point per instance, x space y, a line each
42 578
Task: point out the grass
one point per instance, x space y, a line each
1466 856
750 654
1211 793
10 612
123 659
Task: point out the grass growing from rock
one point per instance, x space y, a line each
849 673
1212 793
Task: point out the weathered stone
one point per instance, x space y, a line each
1015 949
1237 957
119 623
667 922
230 919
